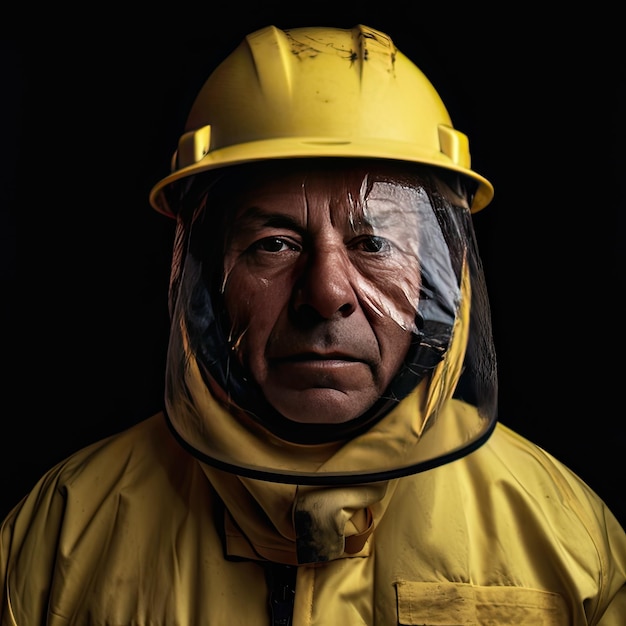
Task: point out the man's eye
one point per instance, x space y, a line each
274 244
371 244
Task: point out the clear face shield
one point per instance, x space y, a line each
329 322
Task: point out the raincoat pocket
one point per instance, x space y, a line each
460 604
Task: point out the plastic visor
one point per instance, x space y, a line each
281 270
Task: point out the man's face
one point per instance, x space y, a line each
321 286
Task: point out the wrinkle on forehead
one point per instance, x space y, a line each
364 204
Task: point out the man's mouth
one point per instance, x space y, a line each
317 356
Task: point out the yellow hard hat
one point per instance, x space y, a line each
317 92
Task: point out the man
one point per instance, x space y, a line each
328 451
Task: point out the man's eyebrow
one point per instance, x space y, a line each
255 216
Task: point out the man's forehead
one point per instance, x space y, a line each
353 198
358 187
391 201
377 179
356 182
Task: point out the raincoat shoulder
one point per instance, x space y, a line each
528 522
98 538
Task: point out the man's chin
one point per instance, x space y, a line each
321 405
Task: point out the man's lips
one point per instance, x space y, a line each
326 345
303 357
315 370
333 370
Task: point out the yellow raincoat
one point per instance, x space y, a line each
130 531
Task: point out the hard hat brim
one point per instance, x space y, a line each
314 147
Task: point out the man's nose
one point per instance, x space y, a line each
326 285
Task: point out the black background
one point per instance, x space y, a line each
92 106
